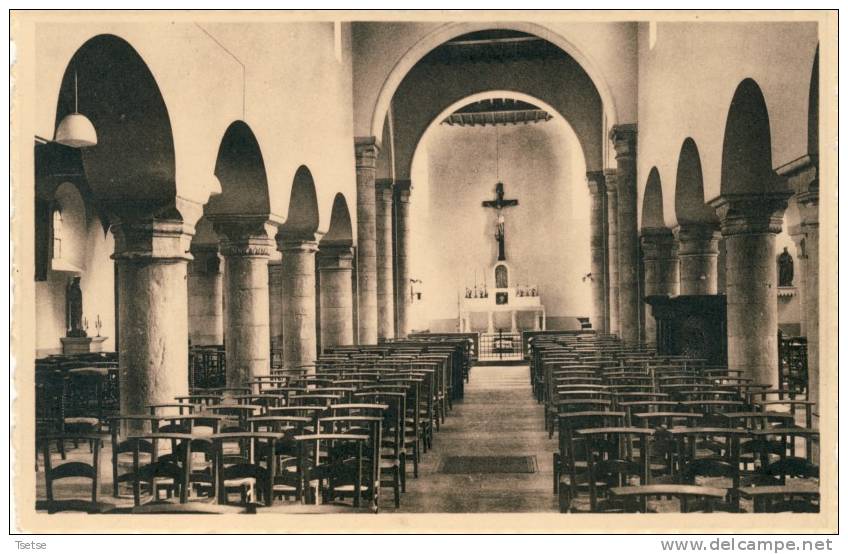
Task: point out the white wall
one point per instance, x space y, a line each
97 284
547 233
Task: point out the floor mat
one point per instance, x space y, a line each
488 464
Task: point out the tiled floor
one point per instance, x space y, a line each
498 417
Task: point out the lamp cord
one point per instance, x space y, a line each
497 153
76 93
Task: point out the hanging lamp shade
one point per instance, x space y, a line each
76 130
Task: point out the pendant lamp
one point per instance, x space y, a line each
76 130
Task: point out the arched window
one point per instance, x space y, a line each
57 234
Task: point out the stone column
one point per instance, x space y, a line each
299 338
335 262
152 258
808 202
246 247
697 251
749 224
275 302
404 289
385 261
624 141
366 242
597 242
799 237
513 322
612 251
661 271
205 296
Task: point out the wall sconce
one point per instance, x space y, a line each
413 294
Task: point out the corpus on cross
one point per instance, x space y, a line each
499 203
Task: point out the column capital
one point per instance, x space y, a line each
611 180
623 139
243 236
156 240
801 174
751 213
293 244
403 189
366 150
697 238
384 189
808 205
206 259
596 182
335 257
657 243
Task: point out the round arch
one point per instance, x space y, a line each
303 216
652 202
240 169
453 30
689 206
133 166
746 157
496 94
341 230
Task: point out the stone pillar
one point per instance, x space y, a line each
152 261
799 237
659 254
624 141
299 337
205 296
385 261
749 224
335 262
612 251
246 247
275 302
366 242
513 321
808 202
597 243
404 289
697 251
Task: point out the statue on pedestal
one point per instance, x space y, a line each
785 269
73 307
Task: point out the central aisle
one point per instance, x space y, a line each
498 417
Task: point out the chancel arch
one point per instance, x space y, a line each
536 167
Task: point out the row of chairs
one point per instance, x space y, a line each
633 426
334 432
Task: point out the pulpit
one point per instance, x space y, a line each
692 325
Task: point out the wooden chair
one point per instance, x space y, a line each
171 471
73 469
254 470
611 462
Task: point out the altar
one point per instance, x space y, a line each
498 301
513 300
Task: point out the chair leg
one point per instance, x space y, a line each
396 486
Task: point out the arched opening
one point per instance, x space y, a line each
303 216
689 203
813 111
240 169
652 202
524 143
746 165
340 231
131 170
492 59
452 31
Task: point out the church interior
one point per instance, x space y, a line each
288 266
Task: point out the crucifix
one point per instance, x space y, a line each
499 204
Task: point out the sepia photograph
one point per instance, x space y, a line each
423 271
